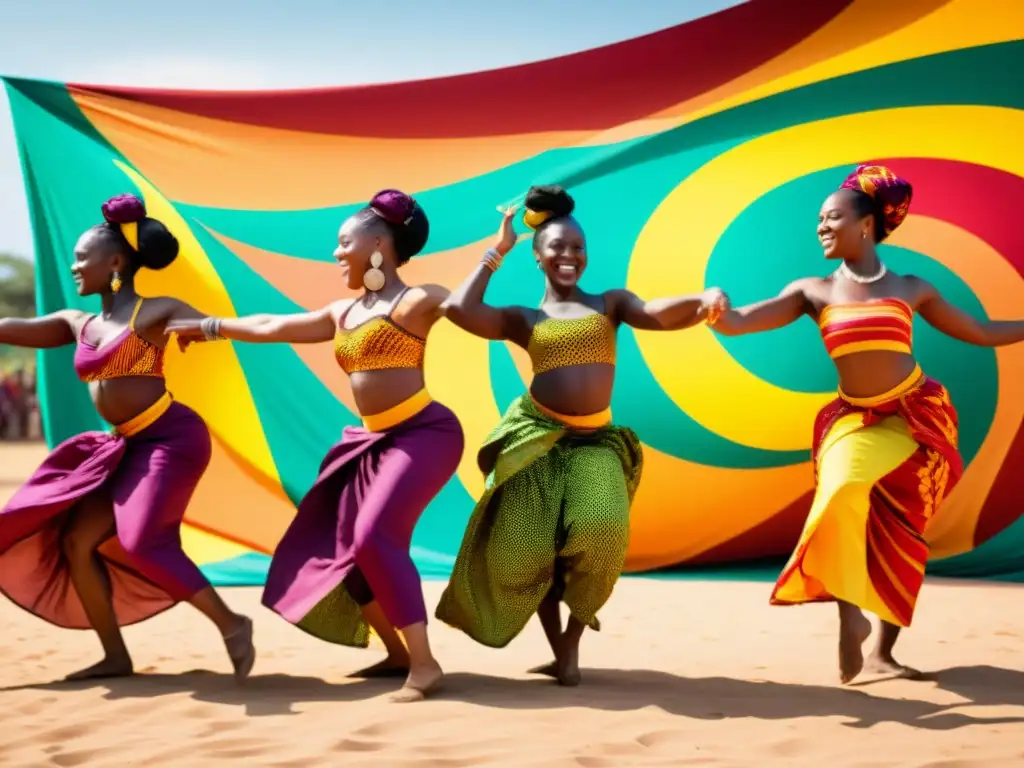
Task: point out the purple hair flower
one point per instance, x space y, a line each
123 209
393 206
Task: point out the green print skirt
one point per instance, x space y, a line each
554 515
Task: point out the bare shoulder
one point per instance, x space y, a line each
157 309
338 308
917 289
426 297
158 304
75 318
614 297
809 286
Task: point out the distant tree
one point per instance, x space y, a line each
17 287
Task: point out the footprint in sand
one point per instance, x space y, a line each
357 745
73 758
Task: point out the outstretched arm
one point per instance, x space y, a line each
668 314
465 305
47 332
301 328
766 315
954 322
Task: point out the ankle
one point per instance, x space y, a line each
235 627
428 663
116 653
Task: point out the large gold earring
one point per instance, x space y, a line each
373 278
115 283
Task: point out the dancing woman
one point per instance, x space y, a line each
343 565
93 538
553 522
885 450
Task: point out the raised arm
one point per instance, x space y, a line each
302 328
47 332
465 305
668 314
766 315
954 322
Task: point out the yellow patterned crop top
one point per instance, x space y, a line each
558 343
377 344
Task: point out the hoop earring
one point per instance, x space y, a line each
373 278
115 283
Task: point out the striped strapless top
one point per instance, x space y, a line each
867 326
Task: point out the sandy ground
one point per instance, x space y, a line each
683 674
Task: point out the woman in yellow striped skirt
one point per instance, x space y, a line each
885 450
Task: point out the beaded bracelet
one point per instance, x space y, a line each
210 326
492 259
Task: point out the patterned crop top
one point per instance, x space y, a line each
867 326
558 343
377 344
127 355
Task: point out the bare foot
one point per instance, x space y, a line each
419 684
111 666
241 650
389 667
568 667
853 631
890 669
550 669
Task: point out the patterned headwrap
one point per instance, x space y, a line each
890 192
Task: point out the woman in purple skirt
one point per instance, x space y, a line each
92 540
343 565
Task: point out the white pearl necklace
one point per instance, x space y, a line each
849 274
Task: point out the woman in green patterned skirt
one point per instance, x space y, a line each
552 525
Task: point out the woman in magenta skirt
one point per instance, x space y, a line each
93 540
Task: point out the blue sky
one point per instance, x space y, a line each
255 44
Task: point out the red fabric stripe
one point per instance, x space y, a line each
591 90
851 328
980 200
880 581
842 322
885 538
775 536
925 420
856 332
833 342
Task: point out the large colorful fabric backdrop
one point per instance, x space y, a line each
698 156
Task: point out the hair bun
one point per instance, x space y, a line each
393 206
123 209
550 198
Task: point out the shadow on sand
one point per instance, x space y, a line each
708 698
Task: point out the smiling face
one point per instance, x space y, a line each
95 263
356 244
842 229
561 251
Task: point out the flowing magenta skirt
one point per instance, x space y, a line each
349 542
147 471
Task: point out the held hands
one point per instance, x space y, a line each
715 302
188 332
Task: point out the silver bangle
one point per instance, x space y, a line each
210 326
